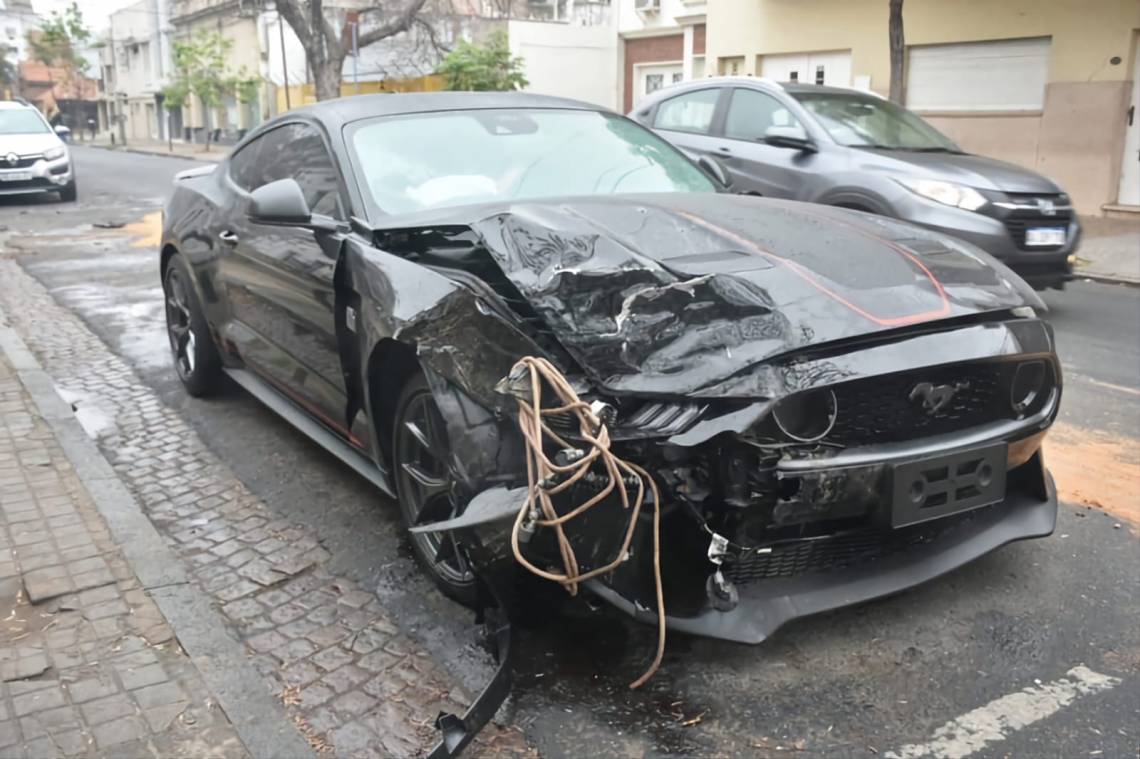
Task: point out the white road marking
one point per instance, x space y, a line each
998 719
1101 383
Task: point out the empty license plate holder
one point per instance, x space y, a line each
938 486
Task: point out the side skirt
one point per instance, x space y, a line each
320 434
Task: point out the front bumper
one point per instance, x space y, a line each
766 606
42 176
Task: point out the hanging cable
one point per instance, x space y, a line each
547 478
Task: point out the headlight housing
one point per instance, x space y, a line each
947 193
53 153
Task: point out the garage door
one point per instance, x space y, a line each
1006 75
832 68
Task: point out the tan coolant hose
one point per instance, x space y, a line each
540 471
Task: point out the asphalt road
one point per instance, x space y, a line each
874 678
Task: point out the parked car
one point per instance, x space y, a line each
33 158
853 149
402 276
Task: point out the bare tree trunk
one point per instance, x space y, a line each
326 76
206 123
898 52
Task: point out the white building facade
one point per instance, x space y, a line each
662 43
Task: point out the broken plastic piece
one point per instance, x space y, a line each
722 593
718 549
491 505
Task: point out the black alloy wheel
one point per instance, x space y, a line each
195 358
424 484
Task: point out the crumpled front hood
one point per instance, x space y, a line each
670 294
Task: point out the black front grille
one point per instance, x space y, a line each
24 162
30 184
889 410
1018 225
835 552
1018 220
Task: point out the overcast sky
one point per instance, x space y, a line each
96 13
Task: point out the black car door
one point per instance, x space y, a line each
279 279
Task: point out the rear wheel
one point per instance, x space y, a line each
195 357
424 486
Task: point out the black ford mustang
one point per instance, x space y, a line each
834 406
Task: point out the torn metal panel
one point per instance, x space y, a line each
670 294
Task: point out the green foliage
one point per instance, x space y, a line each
58 41
7 70
245 87
200 71
482 68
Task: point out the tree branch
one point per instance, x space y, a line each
290 10
328 36
401 23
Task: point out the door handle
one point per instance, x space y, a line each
724 149
228 237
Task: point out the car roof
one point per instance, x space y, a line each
12 105
347 109
758 82
800 88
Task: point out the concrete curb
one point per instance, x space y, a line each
1108 279
159 153
259 720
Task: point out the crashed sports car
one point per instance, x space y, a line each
566 348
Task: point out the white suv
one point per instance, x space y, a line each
33 158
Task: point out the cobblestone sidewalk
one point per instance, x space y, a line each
353 682
89 665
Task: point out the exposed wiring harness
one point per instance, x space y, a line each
548 478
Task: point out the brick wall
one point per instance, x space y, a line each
649 50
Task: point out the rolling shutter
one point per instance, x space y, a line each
1006 75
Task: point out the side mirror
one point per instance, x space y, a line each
280 202
63 132
793 137
715 170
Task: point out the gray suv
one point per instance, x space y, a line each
854 149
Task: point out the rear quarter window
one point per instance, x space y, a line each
689 112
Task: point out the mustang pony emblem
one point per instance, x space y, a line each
935 397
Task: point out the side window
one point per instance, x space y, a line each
297 151
244 168
691 112
751 113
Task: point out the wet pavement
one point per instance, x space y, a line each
871 679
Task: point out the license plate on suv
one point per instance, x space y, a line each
947 484
1042 237
15 176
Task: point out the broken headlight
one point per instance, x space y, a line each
660 418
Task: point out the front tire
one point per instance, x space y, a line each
195 357
424 488
69 193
